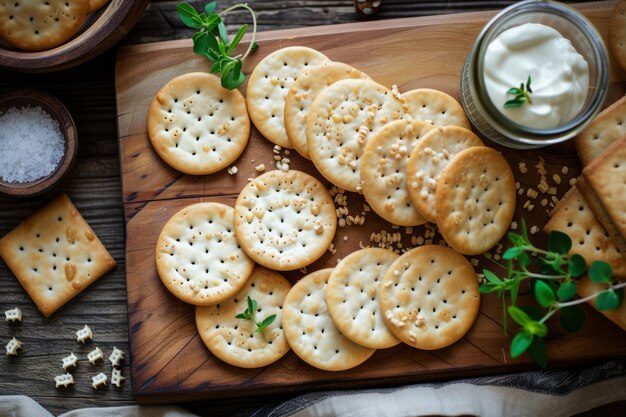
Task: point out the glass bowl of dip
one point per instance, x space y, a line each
550 43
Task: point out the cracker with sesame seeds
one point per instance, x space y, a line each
429 297
38 25
617 33
384 170
310 330
352 297
302 94
236 341
198 257
54 254
340 123
427 160
475 200
270 82
574 217
285 220
435 107
608 127
196 126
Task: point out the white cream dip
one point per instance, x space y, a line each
559 75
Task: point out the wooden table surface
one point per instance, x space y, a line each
94 186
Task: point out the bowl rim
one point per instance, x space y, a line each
58 112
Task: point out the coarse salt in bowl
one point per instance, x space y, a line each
38 142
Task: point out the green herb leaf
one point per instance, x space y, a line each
210 7
251 305
211 22
572 318
242 316
519 316
266 322
515 290
520 343
512 253
215 68
600 271
254 46
189 15
200 43
487 287
521 95
516 102
566 291
537 350
544 294
576 265
491 277
221 30
528 85
559 242
609 299
233 77
237 38
514 91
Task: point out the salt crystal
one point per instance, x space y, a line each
31 144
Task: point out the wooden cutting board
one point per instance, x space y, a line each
170 362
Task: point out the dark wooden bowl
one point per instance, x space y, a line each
102 29
26 97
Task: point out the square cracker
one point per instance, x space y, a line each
54 254
604 186
574 217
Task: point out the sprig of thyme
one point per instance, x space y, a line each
554 288
248 314
522 95
211 40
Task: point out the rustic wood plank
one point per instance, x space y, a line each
178 366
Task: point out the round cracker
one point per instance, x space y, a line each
617 33
384 170
302 93
429 297
198 257
311 332
436 107
340 122
427 160
475 200
197 126
39 25
236 341
268 85
352 297
285 220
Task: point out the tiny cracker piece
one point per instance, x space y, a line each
54 254
70 361
285 220
302 94
475 200
197 126
116 357
617 33
95 356
608 127
98 380
268 85
311 332
38 25
574 217
340 122
429 297
13 346
198 257
436 107
352 297
116 377
428 159
13 315
237 341
83 335
64 380
384 170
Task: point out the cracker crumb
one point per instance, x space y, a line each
69 361
83 335
98 380
496 257
552 191
304 270
564 170
544 202
522 167
474 262
232 170
517 185
117 378
260 167
556 178
95 355
533 230
13 346
572 182
63 380
513 225
13 315
116 357
345 238
287 151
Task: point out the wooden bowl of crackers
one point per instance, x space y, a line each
38 142
50 35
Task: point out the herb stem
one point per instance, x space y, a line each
253 36
542 276
549 314
592 296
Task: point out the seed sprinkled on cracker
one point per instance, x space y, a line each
311 332
435 106
429 297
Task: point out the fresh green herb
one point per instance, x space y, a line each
248 314
522 95
211 40
554 288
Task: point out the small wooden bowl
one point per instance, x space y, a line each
102 29
26 97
